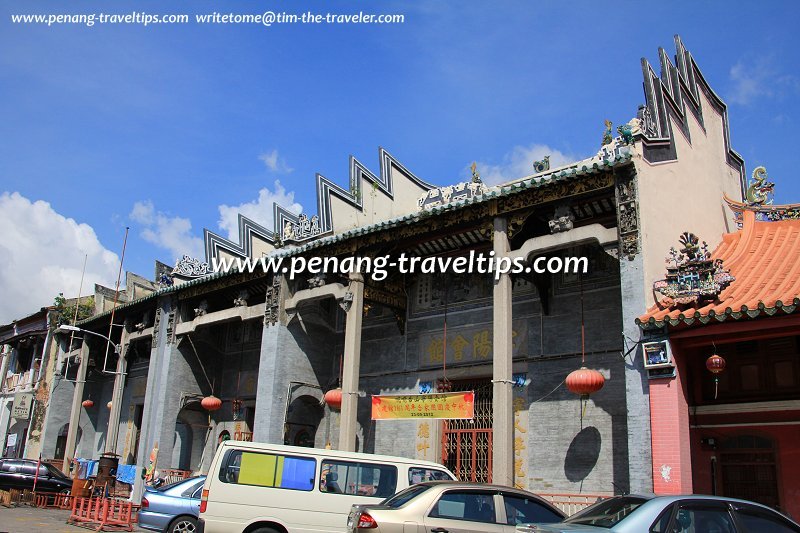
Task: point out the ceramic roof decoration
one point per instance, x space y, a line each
763 258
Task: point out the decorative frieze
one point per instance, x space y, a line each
627 216
241 299
190 267
272 303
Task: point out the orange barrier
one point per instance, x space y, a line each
103 514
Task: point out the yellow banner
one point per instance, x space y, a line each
447 405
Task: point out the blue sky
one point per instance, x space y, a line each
170 129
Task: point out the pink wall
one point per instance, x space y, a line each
669 426
787 444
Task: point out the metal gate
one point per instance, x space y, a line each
467 444
749 471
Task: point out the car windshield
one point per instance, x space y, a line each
53 471
404 496
606 513
164 488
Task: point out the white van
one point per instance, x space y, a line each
270 488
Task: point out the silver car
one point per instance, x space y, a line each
172 508
452 507
672 514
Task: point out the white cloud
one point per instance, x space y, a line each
518 163
43 254
169 232
259 210
760 79
749 82
275 163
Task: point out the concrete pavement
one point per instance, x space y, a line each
24 519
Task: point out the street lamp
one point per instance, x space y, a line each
75 329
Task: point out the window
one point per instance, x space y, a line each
193 490
705 518
758 521
418 475
268 470
465 505
358 479
662 522
521 510
405 496
608 512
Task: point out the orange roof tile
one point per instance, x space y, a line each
764 257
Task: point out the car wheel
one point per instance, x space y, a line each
183 524
264 530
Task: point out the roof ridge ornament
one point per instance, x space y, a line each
692 275
760 192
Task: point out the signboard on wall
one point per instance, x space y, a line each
21 408
446 405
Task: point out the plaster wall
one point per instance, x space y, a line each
686 194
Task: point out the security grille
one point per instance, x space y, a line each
467 444
749 471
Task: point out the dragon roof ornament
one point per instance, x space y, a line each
693 277
759 198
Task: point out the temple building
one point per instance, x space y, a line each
723 359
270 357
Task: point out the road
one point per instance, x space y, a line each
24 519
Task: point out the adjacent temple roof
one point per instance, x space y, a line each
763 257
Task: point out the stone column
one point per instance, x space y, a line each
157 383
75 413
116 396
4 367
272 374
352 363
502 402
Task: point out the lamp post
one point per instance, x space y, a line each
113 417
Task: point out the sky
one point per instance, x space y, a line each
169 129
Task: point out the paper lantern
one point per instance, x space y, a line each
211 403
585 381
88 404
715 364
334 398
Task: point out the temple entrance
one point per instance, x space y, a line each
749 471
467 444
304 415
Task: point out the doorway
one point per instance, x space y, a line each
749 470
467 444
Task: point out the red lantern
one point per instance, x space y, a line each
334 398
211 403
585 381
88 404
715 364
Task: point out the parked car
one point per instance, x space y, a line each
678 514
454 507
21 473
267 488
172 508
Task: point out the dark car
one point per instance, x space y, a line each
21 473
172 508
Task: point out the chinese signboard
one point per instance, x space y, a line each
468 344
447 405
21 409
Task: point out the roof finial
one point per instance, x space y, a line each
476 178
